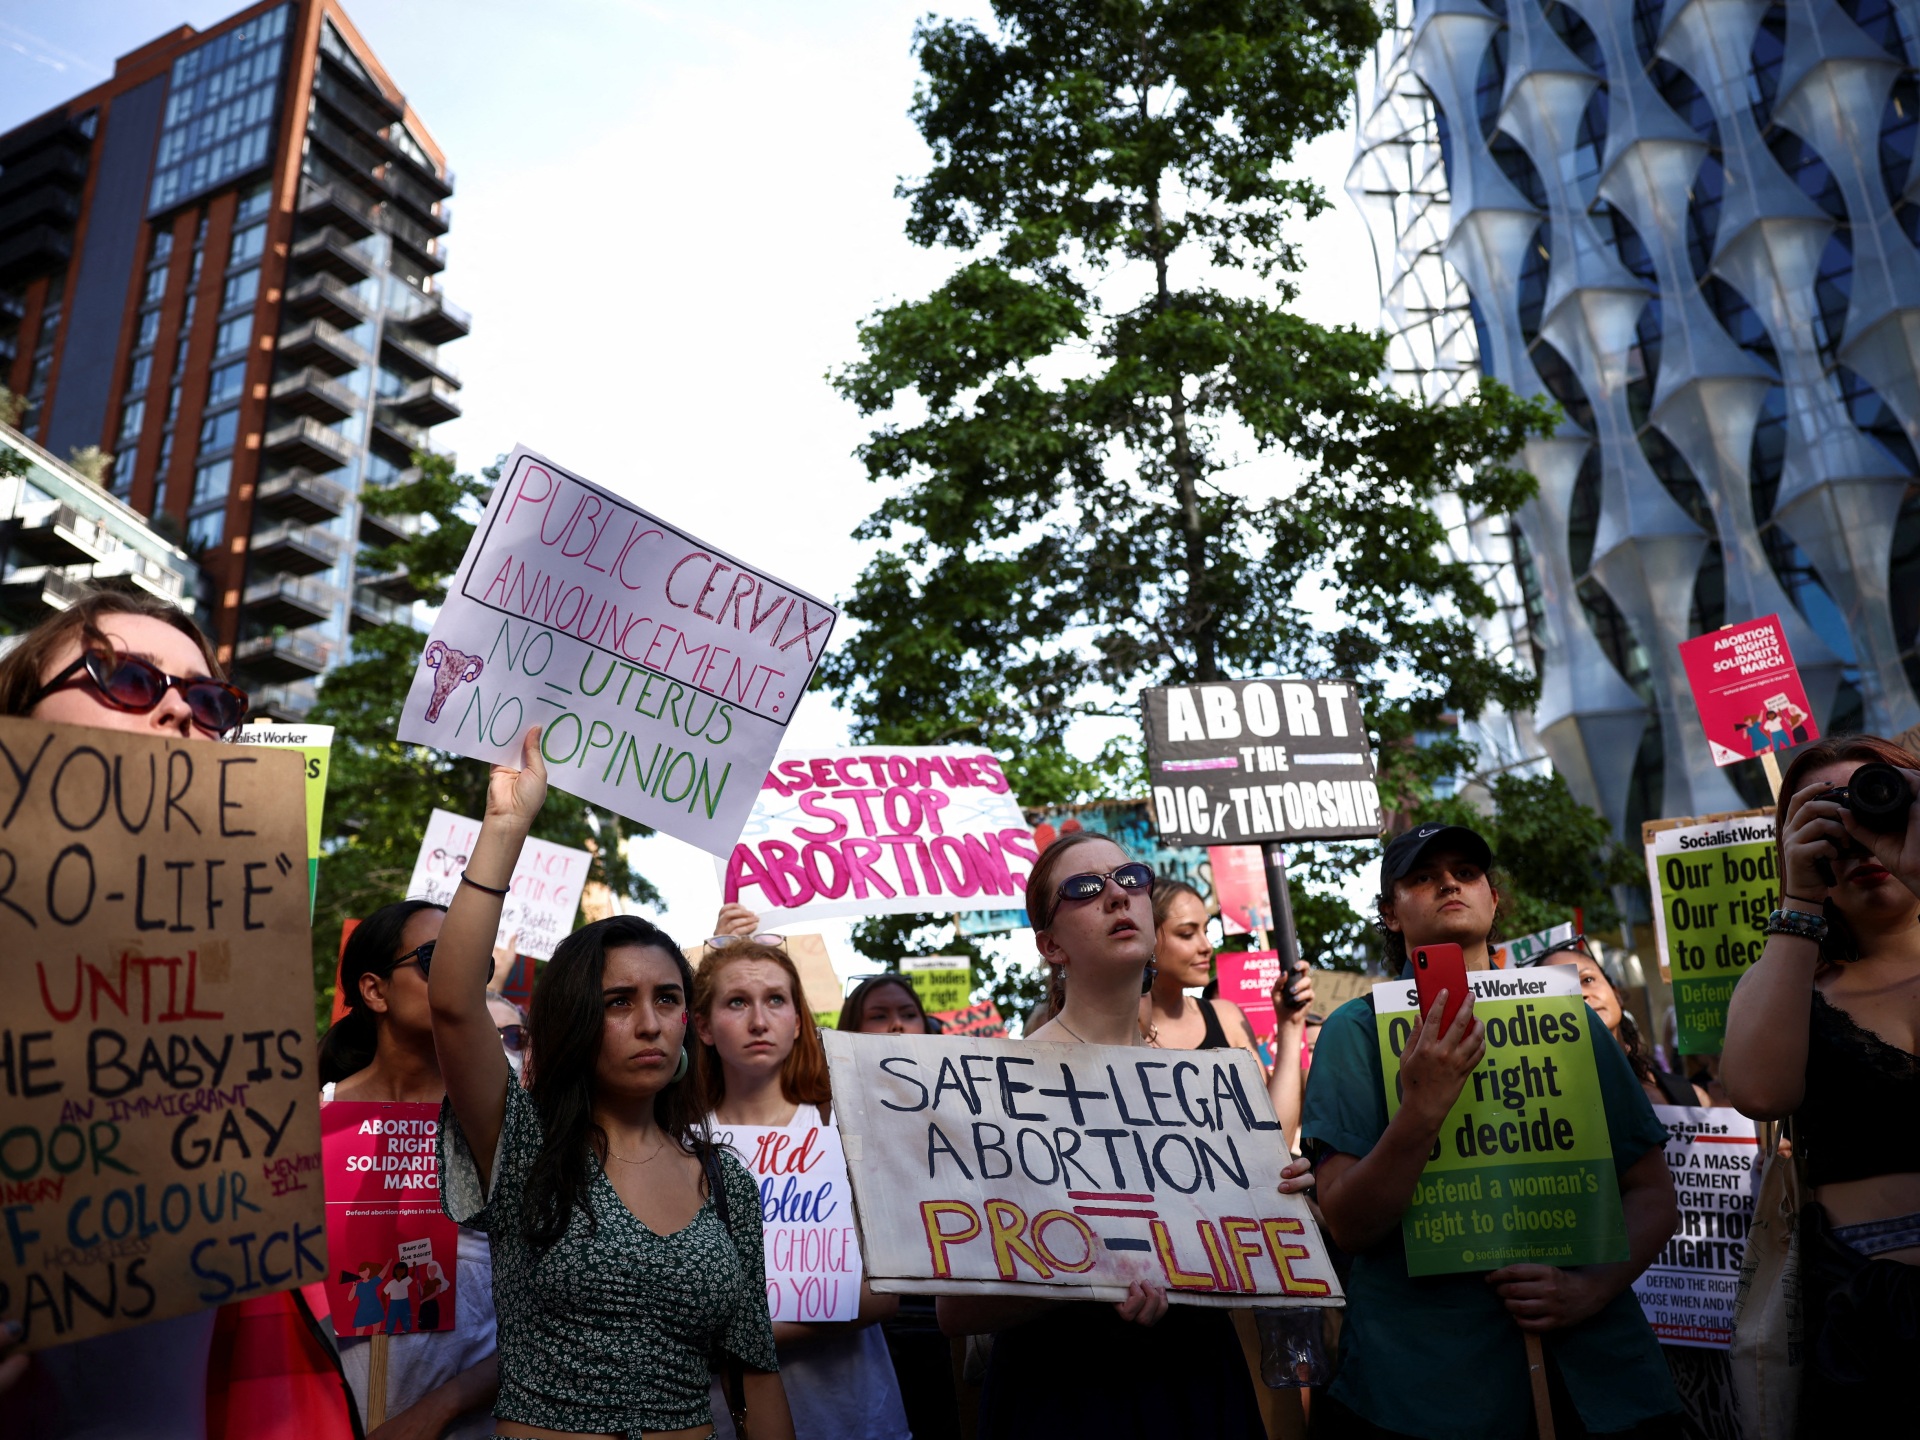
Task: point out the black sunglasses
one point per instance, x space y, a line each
136 686
421 955
1132 876
514 1037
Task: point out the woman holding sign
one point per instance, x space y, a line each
762 1077
626 1251
1825 1028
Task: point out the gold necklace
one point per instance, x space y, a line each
644 1160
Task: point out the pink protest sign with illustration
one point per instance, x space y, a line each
1240 888
543 895
1247 979
391 1249
1748 693
806 1216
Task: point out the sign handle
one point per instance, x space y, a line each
1772 767
1280 902
377 1381
1537 1373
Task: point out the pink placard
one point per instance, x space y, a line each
1748 693
982 1019
391 1249
1247 979
1240 886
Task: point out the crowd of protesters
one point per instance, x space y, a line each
610 1275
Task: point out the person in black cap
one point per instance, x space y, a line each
1443 1356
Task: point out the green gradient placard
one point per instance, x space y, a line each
1714 883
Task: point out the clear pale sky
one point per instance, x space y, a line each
668 221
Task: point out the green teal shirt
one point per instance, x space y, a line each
1439 1357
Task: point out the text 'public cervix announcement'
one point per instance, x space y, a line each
1242 761
664 670
161 1148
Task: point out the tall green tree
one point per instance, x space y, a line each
1062 426
380 790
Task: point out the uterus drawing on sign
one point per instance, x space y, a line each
451 668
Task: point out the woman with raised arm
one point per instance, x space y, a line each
626 1250
1825 1028
1137 1367
760 1063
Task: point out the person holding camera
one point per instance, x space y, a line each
1825 1029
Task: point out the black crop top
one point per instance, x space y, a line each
1860 1115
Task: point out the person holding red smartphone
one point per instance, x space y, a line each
1444 1356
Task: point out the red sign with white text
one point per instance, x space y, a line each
1747 690
391 1249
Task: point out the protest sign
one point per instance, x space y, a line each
1687 1293
880 830
664 670
983 1020
1526 950
1748 691
315 744
1240 888
161 1147
392 1251
543 895
1069 1171
1714 884
1247 978
806 1215
941 983
1523 1169
1249 760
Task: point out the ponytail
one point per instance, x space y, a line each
348 1046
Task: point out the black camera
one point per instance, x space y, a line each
1879 797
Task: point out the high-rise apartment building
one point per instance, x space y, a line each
220 267
1695 224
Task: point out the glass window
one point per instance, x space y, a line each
156 285
217 431
140 373
173 405
253 204
233 335
211 482
186 313
248 243
149 329
241 289
162 245
226 383
131 418
220 110
204 531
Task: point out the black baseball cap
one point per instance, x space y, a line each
1405 851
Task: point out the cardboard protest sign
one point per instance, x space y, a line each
1524 1173
1247 978
1714 883
1069 1171
544 893
983 1020
1524 950
1240 888
1243 761
880 830
315 744
161 1147
1748 691
941 983
664 670
1688 1291
806 1211
392 1250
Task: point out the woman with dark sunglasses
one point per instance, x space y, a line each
439 1382
1138 1367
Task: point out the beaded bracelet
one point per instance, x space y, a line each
1795 922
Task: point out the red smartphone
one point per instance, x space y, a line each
1437 968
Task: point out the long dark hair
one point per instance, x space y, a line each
854 1010
348 1047
568 1017
1841 944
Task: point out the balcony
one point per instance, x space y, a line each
288 601
326 297
134 573
288 703
32 252
307 442
370 610
320 344
55 164
358 111
301 495
48 203
412 358
354 156
311 392
421 243
334 205
437 320
31 595
283 657
395 440
425 402
295 549
386 529
330 250
55 535
394 584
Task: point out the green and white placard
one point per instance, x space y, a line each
1714 883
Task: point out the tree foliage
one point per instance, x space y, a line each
379 790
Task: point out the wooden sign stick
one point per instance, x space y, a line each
377 1380
1537 1373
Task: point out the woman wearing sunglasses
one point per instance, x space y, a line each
760 1062
1138 1367
439 1382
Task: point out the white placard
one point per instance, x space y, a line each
664 670
806 1216
544 894
1069 1171
1688 1291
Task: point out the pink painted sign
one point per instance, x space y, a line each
1247 979
1240 888
390 1247
1747 690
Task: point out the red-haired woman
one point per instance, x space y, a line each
760 1062
1825 1028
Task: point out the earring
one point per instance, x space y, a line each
1151 974
680 1070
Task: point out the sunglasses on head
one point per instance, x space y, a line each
421 955
137 686
721 942
1131 876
